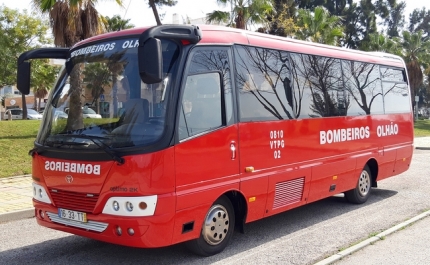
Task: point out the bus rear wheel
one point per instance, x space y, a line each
361 192
217 229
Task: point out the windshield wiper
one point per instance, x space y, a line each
119 159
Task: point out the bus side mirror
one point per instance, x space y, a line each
151 61
23 77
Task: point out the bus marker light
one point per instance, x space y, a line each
143 205
334 177
249 169
252 199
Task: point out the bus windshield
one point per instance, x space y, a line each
99 95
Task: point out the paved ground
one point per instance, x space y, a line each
15 194
16 203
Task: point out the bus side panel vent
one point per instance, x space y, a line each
187 227
288 192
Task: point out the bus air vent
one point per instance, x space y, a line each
288 192
74 200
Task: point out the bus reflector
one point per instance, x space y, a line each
249 169
252 199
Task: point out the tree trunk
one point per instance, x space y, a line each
75 119
35 102
154 10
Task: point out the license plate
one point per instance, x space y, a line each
72 215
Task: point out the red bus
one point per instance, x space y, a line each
201 130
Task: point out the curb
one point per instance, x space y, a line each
17 215
422 148
371 240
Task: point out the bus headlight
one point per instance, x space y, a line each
131 206
39 193
115 206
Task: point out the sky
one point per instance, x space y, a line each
141 15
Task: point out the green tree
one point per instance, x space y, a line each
116 23
43 77
244 13
381 43
19 32
96 77
395 21
72 21
284 24
153 5
420 20
319 26
415 52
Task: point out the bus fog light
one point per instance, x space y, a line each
143 205
118 230
129 206
115 205
130 231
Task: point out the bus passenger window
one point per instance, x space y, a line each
201 105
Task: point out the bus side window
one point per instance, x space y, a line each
201 105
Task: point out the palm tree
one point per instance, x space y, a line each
244 13
153 5
42 78
116 23
415 52
380 42
319 26
72 21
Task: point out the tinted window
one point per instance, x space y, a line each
363 88
263 83
215 59
16 112
396 91
394 75
318 84
202 103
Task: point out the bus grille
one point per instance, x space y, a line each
288 192
83 202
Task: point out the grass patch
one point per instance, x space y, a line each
17 138
422 128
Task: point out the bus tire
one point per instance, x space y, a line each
361 192
217 229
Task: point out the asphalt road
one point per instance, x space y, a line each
301 236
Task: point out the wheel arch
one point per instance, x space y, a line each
374 169
240 206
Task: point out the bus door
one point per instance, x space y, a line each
206 154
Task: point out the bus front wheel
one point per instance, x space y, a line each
361 192
217 229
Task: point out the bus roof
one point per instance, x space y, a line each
227 36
